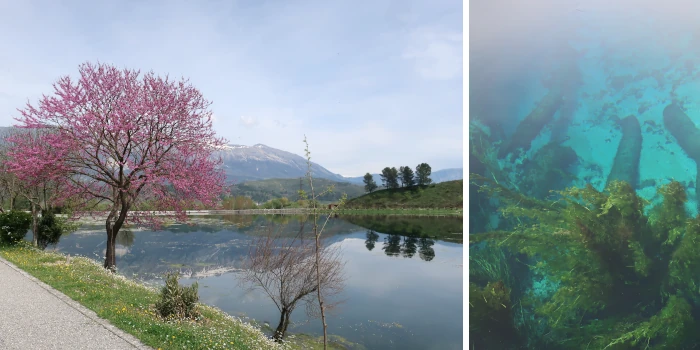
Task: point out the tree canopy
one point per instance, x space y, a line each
123 138
390 177
423 174
407 176
370 185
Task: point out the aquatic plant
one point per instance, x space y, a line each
491 316
618 273
489 263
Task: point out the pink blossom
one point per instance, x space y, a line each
122 138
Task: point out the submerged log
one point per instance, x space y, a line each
626 164
683 129
530 127
687 135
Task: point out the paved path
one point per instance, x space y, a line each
36 316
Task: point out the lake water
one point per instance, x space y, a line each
404 275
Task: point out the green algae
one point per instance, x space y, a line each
623 270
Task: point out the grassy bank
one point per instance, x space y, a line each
130 306
436 196
409 211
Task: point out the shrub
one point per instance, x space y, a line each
14 226
49 230
177 301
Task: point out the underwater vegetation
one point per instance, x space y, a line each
585 269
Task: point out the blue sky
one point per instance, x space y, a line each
371 83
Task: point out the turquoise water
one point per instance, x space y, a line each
403 290
583 95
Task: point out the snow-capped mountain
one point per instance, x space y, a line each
259 162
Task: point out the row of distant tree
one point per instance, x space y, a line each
401 177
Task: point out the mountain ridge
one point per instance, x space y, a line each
260 162
239 161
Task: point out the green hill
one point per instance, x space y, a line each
443 195
264 190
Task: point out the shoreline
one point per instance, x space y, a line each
127 304
296 211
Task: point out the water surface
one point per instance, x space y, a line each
404 275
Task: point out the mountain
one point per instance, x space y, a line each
259 162
264 190
437 176
445 175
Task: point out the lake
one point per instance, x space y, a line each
404 281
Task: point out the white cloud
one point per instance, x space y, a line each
248 121
436 53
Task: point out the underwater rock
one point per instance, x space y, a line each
626 164
531 126
687 135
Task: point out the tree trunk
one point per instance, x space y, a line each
282 326
121 208
112 230
286 322
110 259
35 224
318 282
13 197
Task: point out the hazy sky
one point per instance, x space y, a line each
508 38
371 83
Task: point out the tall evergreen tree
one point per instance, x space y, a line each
407 176
423 174
370 185
390 177
394 179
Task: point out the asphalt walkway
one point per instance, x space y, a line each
36 316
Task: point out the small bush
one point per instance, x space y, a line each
49 230
178 301
14 226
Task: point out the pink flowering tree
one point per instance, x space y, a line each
124 139
38 189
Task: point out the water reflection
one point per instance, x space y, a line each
445 228
125 238
406 246
372 238
427 252
374 313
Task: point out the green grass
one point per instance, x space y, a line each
130 306
402 211
435 196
